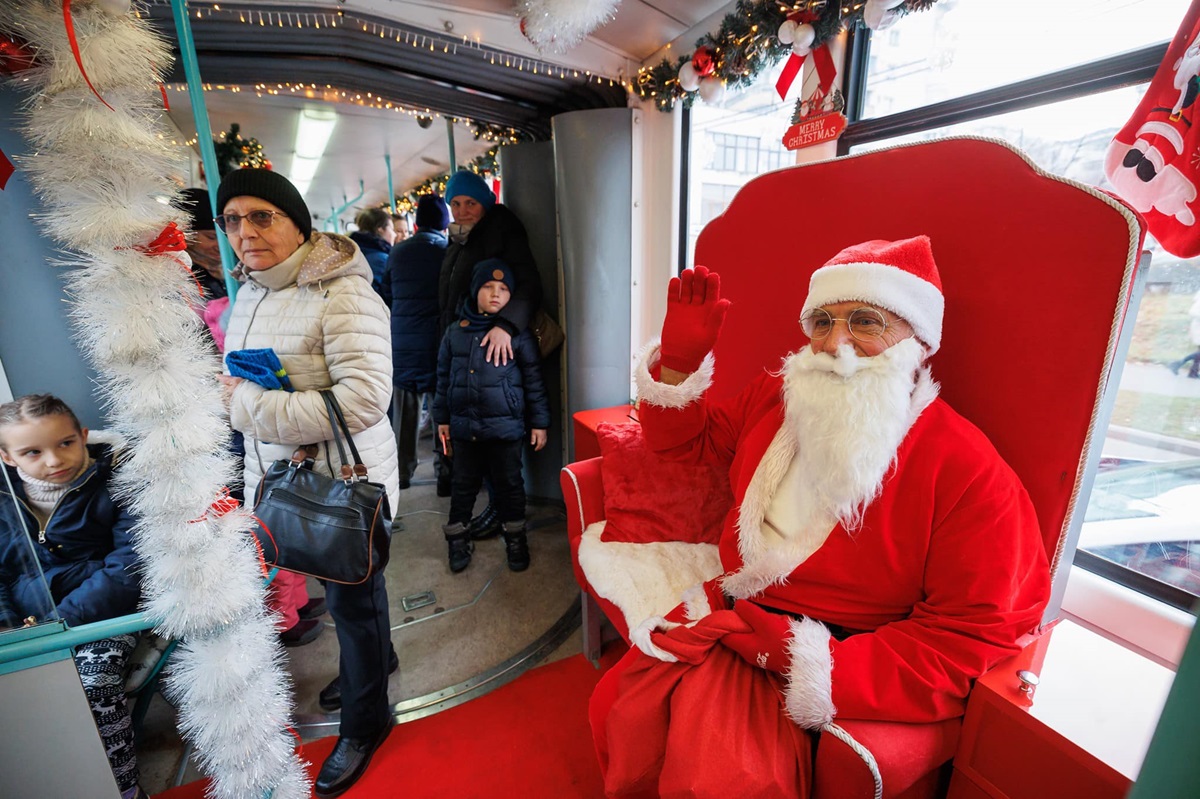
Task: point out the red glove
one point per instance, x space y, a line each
699 601
765 645
695 313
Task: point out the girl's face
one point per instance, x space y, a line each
49 448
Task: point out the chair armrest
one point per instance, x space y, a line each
583 493
908 756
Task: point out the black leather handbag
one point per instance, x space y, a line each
333 528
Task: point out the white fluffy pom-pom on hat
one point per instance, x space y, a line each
899 276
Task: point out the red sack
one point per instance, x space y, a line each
1151 161
711 725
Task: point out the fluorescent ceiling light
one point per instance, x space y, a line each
313 130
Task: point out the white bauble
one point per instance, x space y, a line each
787 31
878 14
118 8
712 90
802 42
688 79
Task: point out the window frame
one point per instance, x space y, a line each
1131 68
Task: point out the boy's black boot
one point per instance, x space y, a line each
459 539
515 546
486 524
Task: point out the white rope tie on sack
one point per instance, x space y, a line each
863 752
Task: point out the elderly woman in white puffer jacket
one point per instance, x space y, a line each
307 295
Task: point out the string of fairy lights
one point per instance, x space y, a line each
433 42
329 93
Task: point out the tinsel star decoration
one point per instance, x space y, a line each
747 42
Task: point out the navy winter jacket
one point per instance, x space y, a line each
86 550
376 251
484 402
410 288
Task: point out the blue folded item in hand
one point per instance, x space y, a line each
260 366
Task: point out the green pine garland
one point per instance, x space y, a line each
747 42
234 152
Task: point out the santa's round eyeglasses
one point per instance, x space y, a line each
865 324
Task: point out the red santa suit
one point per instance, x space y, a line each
936 572
946 572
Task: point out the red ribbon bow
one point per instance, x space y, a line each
826 71
221 505
169 240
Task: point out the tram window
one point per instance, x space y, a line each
1142 525
731 143
953 48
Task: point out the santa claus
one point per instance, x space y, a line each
880 557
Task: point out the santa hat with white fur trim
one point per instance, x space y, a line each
897 275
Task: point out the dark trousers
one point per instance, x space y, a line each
360 613
406 420
500 461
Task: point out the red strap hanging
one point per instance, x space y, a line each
70 25
822 60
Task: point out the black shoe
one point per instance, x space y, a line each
302 632
485 525
347 762
516 547
313 608
330 698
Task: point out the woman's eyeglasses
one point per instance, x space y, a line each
232 223
865 324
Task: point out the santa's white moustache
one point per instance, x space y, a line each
850 414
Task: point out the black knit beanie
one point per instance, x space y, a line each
270 186
195 203
432 213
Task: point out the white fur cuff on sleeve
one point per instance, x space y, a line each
640 636
809 693
666 396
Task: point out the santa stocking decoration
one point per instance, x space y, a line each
1154 161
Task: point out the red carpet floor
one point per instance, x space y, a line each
529 739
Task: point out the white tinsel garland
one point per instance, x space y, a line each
558 25
104 178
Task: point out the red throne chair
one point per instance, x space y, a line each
1046 265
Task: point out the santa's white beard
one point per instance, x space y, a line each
849 415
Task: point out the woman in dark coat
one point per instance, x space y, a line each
482 229
410 288
374 238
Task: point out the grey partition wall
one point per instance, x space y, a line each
528 190
593 157
36 348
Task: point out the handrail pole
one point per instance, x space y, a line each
208 153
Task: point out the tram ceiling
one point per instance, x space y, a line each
463 59
465 83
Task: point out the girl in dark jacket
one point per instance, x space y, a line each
374 238
56 507
484 409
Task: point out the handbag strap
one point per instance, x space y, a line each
337 420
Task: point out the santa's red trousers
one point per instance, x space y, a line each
711 725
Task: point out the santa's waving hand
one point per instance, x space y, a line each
695 313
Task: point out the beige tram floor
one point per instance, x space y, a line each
478 619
